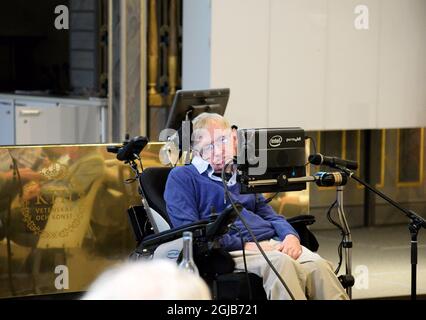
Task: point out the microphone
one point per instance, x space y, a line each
330 179
133 147
319 159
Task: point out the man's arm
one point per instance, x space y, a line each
230 242
182 207
280 224
290 244
179 195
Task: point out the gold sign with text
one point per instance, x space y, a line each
64 208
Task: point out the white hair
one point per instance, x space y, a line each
148 280
205 118
202 122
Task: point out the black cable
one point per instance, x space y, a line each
140 162
340 247
313 144
228 193
134 168
17 174
145 227
234 227
16 177
177 160
271 198
340 253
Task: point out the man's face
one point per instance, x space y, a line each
216 145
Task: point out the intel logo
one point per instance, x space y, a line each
275 141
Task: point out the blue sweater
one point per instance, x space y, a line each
190 196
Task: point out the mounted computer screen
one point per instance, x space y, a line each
188 104
267 158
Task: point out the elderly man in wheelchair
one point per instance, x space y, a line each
187 198
193 190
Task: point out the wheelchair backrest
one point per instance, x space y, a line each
153 181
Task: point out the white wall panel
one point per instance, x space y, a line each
297 63
303 62
351 66
239 58
402 87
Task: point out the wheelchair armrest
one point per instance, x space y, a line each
169 235
305 219
221 223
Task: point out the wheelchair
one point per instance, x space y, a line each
157 239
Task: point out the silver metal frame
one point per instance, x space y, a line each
347 235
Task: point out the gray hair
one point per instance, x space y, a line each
201 123
204 119
148 280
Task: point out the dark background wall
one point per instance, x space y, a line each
392 160
34 55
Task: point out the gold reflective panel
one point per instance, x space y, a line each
290 204
63 215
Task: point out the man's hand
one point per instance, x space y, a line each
291 246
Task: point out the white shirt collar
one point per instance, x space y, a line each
202 166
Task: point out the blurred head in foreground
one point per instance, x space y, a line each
148 280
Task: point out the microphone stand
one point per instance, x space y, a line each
347 280
416 223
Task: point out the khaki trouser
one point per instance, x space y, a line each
308 277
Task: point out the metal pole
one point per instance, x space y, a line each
414 230
347 242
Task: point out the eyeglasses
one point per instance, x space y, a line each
207 150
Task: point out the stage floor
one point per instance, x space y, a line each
381 260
